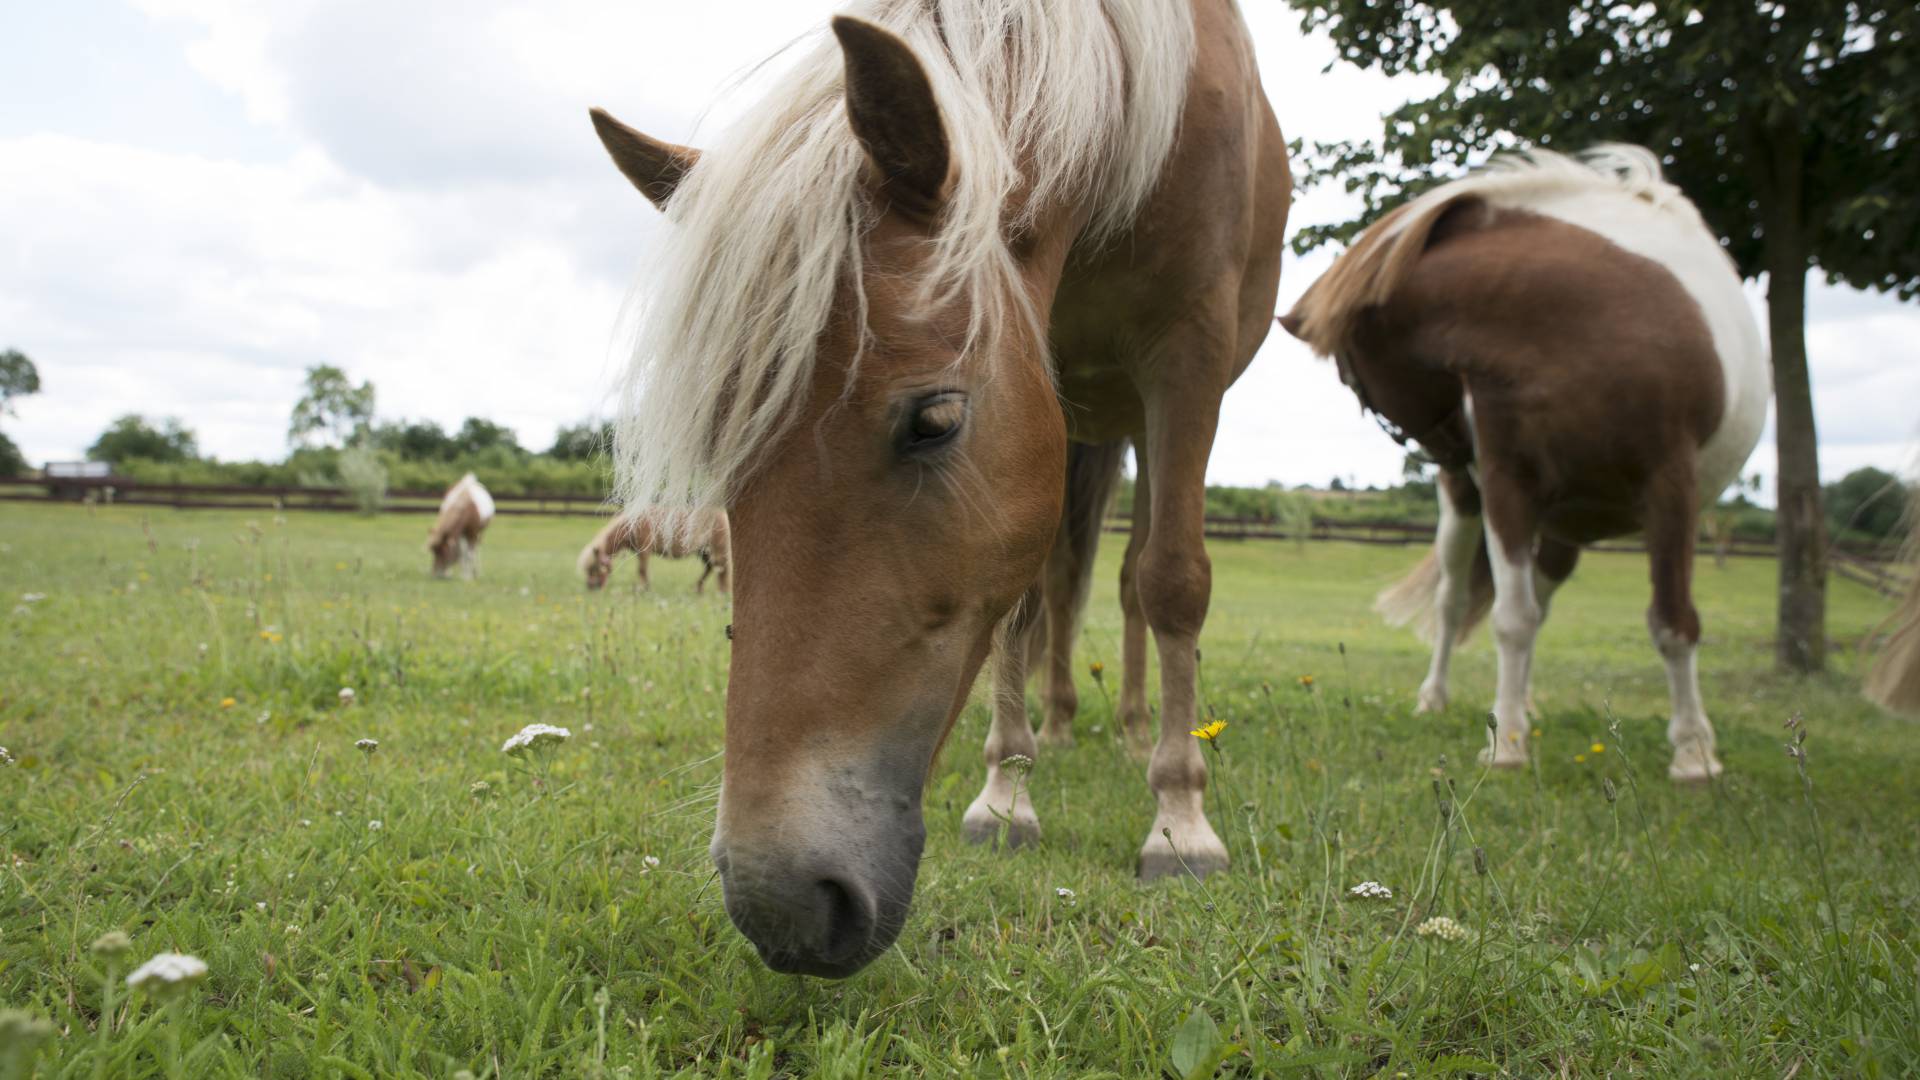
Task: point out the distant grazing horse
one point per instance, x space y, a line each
1568 341
1894 681
644 535
959 235
455 537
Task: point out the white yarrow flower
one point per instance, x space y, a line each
1443 928
166 972
5 758
534 735
375 825
1066 895
346 695
367 746
1370 890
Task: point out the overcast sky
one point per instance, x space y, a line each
201 198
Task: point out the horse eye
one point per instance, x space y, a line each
935 420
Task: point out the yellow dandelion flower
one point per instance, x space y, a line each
227 703
1306 680
339 566
1536 733
1579 759
1210 732
1597 748
1097 668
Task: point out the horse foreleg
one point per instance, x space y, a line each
1675 624
1004 801
1133 717
1510 532
1175 581
640 568
1553 564
1455 547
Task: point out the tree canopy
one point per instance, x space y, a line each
584 441
332 410
18 378
1871 501
132 436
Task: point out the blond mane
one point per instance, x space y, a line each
1368 273
767 228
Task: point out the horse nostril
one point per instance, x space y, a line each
849 921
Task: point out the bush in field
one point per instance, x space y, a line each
134 436
362 474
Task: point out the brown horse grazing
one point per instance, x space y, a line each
1894 682
643 535
465 512
958 235
1571 344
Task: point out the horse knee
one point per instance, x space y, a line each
1515 621
1173 589
1675 633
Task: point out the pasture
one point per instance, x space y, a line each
186 772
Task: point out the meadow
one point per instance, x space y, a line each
186 772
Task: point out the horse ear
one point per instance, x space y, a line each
891 108
655 167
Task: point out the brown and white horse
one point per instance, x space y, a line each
958 235
1894 681
1568 340
644 535
465 512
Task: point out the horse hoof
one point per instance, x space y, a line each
1692 770
1018 833
1430 702
1195 850
1503 761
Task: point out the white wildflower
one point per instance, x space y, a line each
1370 890
1443 928
32 597
366 746
259 905
375 825
649 862
5 758
167 972
534 735
292 929
346 695
1066 895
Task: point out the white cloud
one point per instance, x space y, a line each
411 191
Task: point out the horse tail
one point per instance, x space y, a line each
1415 599
1366 275
1894 681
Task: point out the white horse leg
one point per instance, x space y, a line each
1005 799
1675 624
1454 548
466 558
1516 623
1553 565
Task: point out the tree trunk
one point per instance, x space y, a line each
1800 524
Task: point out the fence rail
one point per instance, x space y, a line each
1874 566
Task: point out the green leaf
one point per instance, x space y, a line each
1196 1045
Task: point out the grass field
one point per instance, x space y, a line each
186 773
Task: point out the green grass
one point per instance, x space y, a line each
1741 930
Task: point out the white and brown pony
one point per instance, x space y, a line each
1894 680
957 236
646 535
1568 340
465 512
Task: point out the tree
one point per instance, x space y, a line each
584 441
1869 500
134 436
1794 125
416 440
332 408
476 435
18 378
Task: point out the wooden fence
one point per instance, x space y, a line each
1873 566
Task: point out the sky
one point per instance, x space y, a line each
199 199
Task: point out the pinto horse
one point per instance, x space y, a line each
644 535
1894 681
465 512
957 236
1567 339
